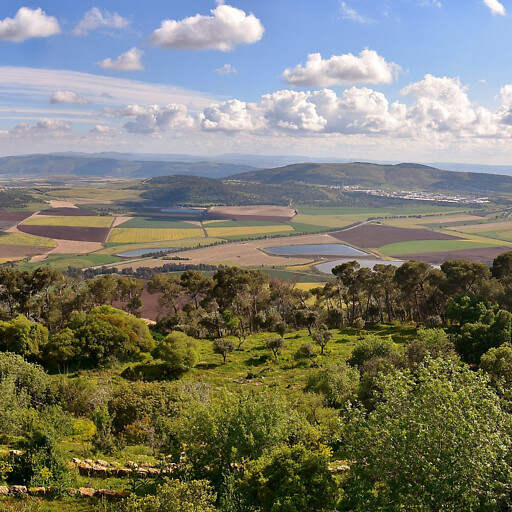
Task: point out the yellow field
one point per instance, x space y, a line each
23 239
247 230
50 220
136 235
12 258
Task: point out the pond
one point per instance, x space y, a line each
139 252
364 262
316 250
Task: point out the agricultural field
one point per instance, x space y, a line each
142 235
243 231
430 246
51 220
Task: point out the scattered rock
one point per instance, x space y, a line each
16 490
4 491
37 491
86 492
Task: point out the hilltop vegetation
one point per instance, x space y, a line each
406 176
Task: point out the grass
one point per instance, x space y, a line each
186 242
235 223
428 246
155 223
505 235
363 213
135 235
63 261
327 221
247 230
23 239
111 193
90 222
308 228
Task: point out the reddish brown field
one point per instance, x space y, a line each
10 219
481 255
377 235
81 234
265 213
69 212
9 251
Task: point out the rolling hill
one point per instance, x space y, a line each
405 176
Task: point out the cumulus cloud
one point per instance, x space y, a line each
227 69
369 67
232 115
349 13
496 7
42 129
28 23
96 18
102 130
157 119
128 61
67 97
226 28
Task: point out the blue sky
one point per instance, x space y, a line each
420 80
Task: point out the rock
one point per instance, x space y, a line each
145 465
73 492
122 494
143 473
103 463
106 493
15 453
4 491
76 461
86 492
17 490
131 464
115 464
153 471
123 472
37 491
89 461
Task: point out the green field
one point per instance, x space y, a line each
427 246
51 220
243 231
63 261
155 223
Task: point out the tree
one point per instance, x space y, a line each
322 337
306 350
369 347
178 350
439 440
337 382
497 362
223 347
23 337
290 479
275 344
129 290
432 343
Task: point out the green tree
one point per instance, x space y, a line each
497 362
23 337
432 343
372 346
223 347
178 350
322 336
275 344
290 479
439 440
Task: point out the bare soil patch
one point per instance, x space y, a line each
377 235
447 219
75 247
270 213
8 251
59 203
10 219
81 234
484 227
480 255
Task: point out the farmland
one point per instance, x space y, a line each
142 235
50 220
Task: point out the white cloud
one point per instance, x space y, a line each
67 97
159 119
496 7
96 18
227 69
28 23
226 28
128 61
431 3
19 85
46 128
349 13
232 115
369 67
103 130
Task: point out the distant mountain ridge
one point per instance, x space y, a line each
404 176
82 165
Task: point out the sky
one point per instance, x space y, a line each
403 80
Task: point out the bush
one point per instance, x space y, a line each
369 347
179 352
